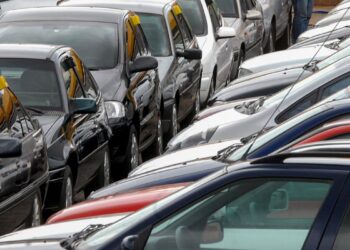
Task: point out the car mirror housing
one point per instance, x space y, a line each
10 147
254 15
213 233
83 106
143 63
225 32
190 54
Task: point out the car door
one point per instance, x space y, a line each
82 129
143 88
223 47
258 209
193 66
19 174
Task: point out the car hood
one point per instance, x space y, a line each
287 58
164 64
110 83
322 30
47 235
51 126
180 173
184 156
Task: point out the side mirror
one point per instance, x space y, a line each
143 63
130 242
213 233
279 200
83 106
190 54
225 32
254 15
10 147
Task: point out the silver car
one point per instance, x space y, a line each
246 17
245 120
219 47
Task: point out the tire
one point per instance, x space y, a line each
174 124
36 218
67 191
133 155
158 145
211 88
233 70
286 40
271 43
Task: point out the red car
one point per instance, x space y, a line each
137 199
116 204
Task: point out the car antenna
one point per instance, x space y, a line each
292 86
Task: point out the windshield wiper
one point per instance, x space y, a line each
224 153
71 242
34 110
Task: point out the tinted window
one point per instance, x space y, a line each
186 32
254 214
342 241
214 18
156 34
177 37
335 87
193 12
33 81
244 6
228 7
96 43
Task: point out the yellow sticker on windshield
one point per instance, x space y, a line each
177 9
3 82
135 20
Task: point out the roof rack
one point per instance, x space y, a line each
280 158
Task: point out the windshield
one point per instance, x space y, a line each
156 34
273 134
105 235
193 11
33 81
94 42
228 8
334 58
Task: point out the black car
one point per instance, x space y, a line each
175 46
113 47
23 165
56 88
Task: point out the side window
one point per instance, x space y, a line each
70 78
335 87
141 40
214 18
250 4
131 44
251 214
186 32
176 33
342 241
298 108
244 6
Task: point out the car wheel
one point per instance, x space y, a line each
158 146
211 89
197 104
67 190
174 122
36 211
133 157
286 40
271 43
234 70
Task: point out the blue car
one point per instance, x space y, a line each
285 134
291 201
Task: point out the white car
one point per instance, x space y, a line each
219 47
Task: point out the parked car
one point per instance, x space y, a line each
246 17
338 30
220 48
127 202
243 120
271 81
24 168
6 5
334 17
124 71
242 204
320 123
177 54
57 89
277 23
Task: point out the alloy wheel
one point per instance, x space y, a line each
106 169
198 103
160 135
174 120
36 214
134 161
69 192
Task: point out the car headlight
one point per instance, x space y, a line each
244 72
115 110
185 140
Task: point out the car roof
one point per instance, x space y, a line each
149 6
65 13
28 51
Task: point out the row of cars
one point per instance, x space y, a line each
95 86
270 171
